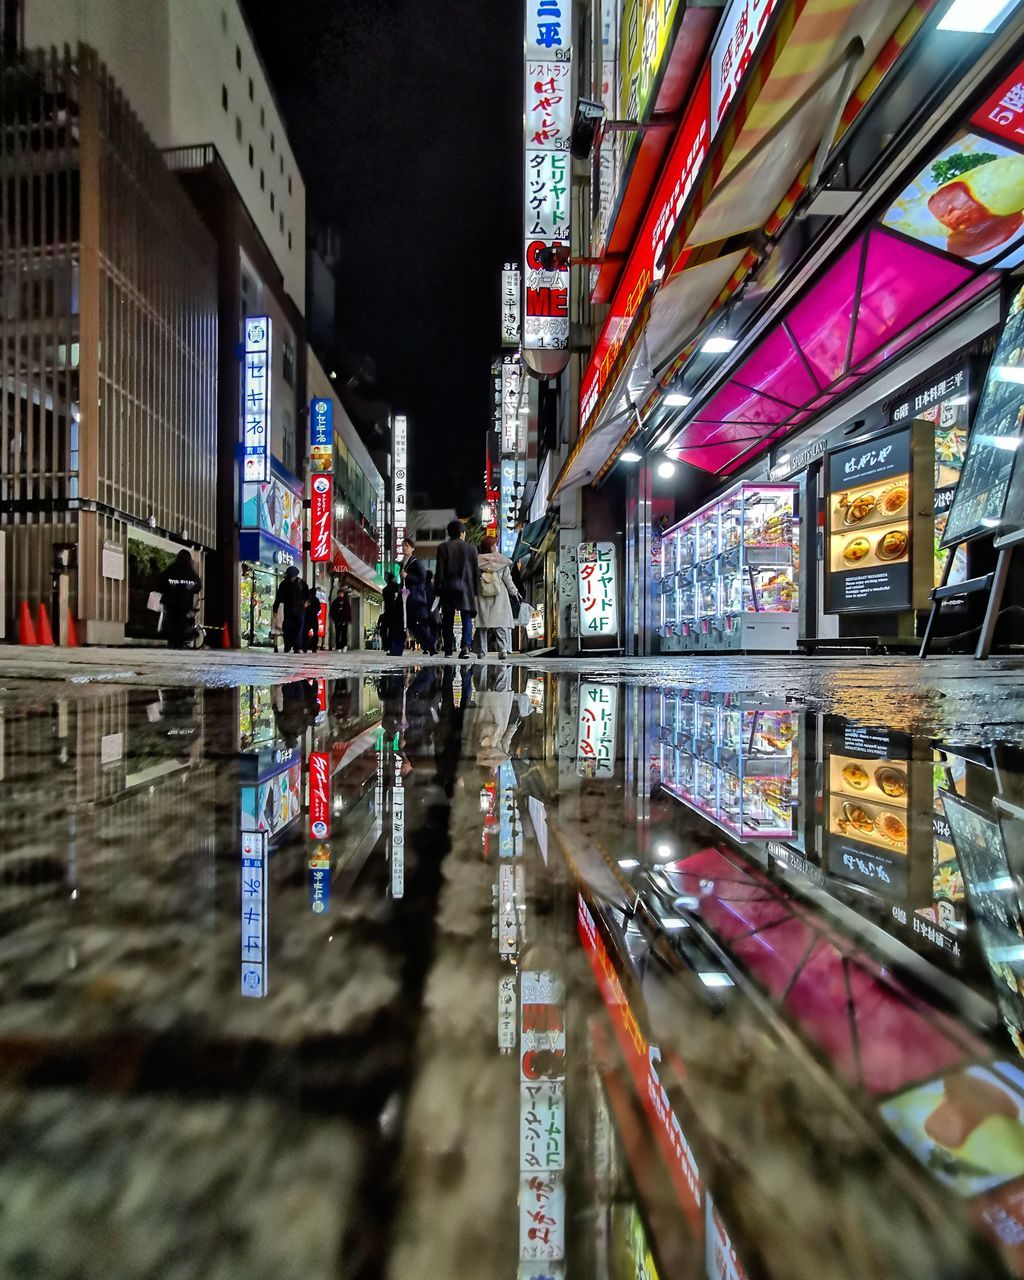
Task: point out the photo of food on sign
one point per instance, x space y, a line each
968 201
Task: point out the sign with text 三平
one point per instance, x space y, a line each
401 481
547 115
256 398
599 598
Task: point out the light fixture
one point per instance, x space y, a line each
959 400
666 469
982 16
675 922
716 979
627 864
677 399
333 375
1007 443
783 459
718 345
663 850
630 455
1007 373
991 522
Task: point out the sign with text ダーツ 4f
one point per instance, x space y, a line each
547 116
599 597
256 398
595 730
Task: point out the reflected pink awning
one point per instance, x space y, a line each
875 301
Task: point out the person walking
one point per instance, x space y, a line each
341 616
458 584
178 586
311 622
417 610
392 619
498 601
291 600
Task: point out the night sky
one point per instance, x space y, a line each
405 118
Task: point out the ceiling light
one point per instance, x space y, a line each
630 455
977 15
716 979
959 400
677 399
666 469
718 346
663 850
627 864
674 922
1007 373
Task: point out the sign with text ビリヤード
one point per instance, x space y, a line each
599 597
980 499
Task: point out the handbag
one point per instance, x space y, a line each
155 603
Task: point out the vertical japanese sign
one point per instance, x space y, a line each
542 1118
254 914
739 35
513 479
320 879
320 512
319 795
401 490
510 304
511 384
508 920
599 597
256 398
507 1012
321 435
398 832
548 105
596 730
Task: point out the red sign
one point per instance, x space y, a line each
321 626
320 518
646 262
319 795
1003 113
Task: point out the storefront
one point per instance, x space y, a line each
364 585
269 542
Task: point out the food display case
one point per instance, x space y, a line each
729 574
734 758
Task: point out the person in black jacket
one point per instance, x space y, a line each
417 610
311 624
178 585
341 616
392 619
291 598
458 585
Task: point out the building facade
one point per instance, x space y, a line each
108 335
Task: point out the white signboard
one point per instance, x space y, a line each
507 1013
541 1216
254 858
508 923
511 285
547 116
598 593
113 561
256 398
398 833
535 624
401 485
511 380
513 480
740 34
595 733
542 1125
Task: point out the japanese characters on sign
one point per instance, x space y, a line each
507 1012
321 435
254 914
599 600
513 479
508 920
1003 113
510 304
542 1125
320 517
320 879
595 733
256 399
542 1117
739 35
547 115
398 832
510 824
511 385
319 795
401 481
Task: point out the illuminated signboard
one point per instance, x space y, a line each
254 858
507 1012
740 33
320 879
510 304
321 435
599 598
399 513
511 379
542 1117
595 737
319 795
256 398
320 517
398 832
513 479
547 115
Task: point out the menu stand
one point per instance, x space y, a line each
994 583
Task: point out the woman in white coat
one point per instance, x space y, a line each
497 602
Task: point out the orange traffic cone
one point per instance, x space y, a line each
45 635
72 632
225 636
26 628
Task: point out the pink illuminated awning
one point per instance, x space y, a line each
878 298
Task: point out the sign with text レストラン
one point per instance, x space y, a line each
256 398
599 597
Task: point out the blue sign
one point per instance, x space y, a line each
321 423
319 888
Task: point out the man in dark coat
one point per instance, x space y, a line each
341 616
392 619
417 610
291 598
178 585
458 585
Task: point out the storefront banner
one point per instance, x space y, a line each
319 795
256 398
596 730
599 599
274 509
541 1216
513 480
870 463
254 902
511 381
542 1125
320 879
952 385
547 198
510 304
398 831
740 34
321 435
321 514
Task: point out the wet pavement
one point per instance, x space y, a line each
565 970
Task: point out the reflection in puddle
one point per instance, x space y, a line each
481 971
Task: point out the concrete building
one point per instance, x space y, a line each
108 352
428 526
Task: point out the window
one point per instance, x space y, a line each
271 202
224 20
282 221
289 184
263 118
252 157
282 166
262 180
238 128
271 142
289 239
287 440
224 96
238 56
288 362
250 89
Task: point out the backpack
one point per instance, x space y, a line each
490 581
